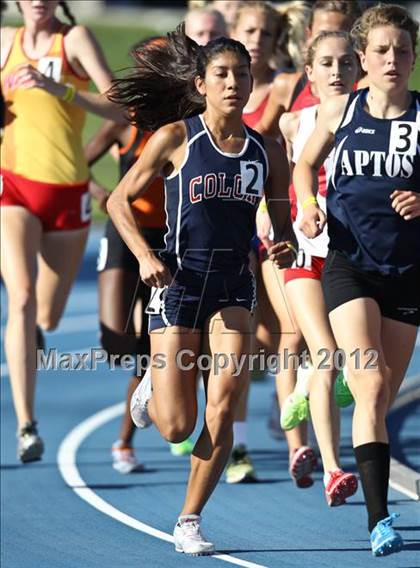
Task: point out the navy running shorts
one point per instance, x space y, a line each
193 297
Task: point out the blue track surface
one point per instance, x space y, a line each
46 523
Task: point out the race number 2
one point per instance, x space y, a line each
252 179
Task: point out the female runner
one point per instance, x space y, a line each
372 273
215 171
332 68
45 206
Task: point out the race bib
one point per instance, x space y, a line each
103 254
50 67
403 138
157 295
85 207
303 260
252 176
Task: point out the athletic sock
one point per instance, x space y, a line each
239 434
373 462
188 518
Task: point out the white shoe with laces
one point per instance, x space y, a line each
139 401
124 459
30 446
189 538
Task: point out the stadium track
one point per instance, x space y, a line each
46 524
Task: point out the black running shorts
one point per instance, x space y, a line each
398 297
114 253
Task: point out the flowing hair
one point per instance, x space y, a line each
160 88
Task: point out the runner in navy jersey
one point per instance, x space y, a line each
215 171
372 273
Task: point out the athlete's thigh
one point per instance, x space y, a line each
266 321
174 352
118 294
19 241
59 260
307 302
398 341
357 327
229 343
274 283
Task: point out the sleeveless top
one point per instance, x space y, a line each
43 134
305 98
252 118
211 202
150 207
374 157
319 245
302 98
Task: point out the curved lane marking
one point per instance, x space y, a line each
67 458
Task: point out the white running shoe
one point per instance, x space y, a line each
189 538
30 446
124 459
139 400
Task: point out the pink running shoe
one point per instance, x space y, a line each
340 486
302 465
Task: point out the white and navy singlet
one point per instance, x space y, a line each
211 202
374 157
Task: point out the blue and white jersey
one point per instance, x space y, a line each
211 202
374 157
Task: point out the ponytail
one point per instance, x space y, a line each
67 12
160 88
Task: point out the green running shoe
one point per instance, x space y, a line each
342 393
240 468
184 448
296 406
295 409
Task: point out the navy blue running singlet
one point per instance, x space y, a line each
374 157
211 202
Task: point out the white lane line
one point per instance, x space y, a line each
403 489
67 458
402 478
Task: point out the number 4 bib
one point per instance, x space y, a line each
50 67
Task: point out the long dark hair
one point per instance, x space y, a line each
66 10
160 88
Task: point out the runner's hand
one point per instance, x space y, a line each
406 203
153 272
27 77
313 221
282 254
264 226
100 194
